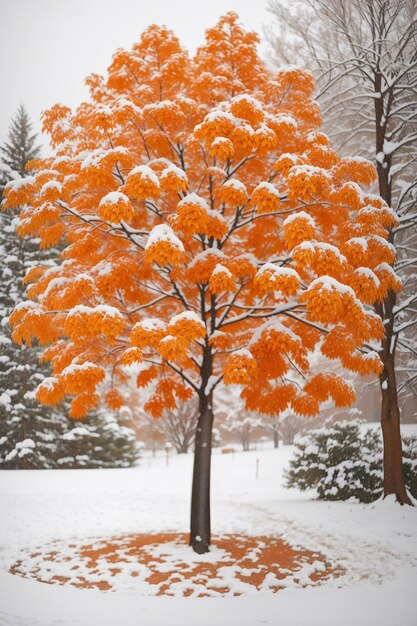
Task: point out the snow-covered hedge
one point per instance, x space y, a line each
345 461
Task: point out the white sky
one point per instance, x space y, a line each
48 47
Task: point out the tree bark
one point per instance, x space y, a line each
200 534
276 438
394 483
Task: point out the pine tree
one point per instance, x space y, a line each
28 432
20 146
100 441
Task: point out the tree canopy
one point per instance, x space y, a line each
204 214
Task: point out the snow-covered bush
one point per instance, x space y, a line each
345 461
341 462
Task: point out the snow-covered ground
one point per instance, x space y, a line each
376 544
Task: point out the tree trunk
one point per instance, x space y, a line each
200 534
390 422
390 411
276 438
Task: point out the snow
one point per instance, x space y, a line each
176 170
61 159
383 242
218 216
105 109
284 119
366 271
330 284
309 170
168 339
221 269
90 158
372 355
17 184
52 184
273 324
215 116
299 215
146 173
244 353
235 184
78 431
151 323
193 198
76 367
55 283
278 271
205 255
26 304
390 146
269 187
385 267
163 232
359 241
212 381
113 198
26 443
376 544
176 553
328 247
291 156
190 316
248 256
106 309
249 99
219 141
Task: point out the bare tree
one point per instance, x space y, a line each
243 427
290 425
176 426
272 426
364 56
235 419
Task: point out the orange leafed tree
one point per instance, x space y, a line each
211 235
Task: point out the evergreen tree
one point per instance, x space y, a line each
99 441
20 145
28 432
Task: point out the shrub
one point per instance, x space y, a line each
345 461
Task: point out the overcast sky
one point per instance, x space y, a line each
48 47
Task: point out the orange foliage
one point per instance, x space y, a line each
210 233
240 368
114 399
115 207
